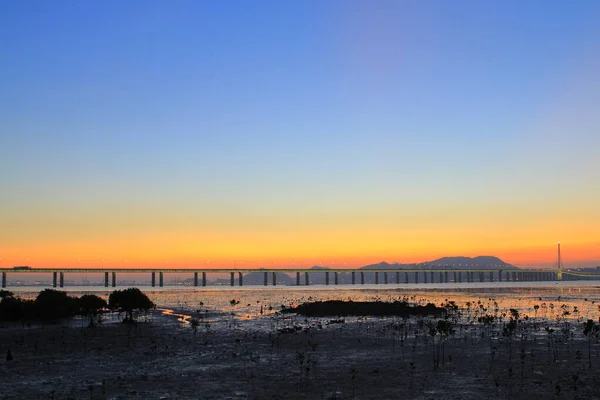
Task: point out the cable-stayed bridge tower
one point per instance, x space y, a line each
559 265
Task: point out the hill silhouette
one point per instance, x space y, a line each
479 262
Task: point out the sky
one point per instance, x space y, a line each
289 134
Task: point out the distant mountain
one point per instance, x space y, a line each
480 262
484 262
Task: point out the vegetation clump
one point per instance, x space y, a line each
364 308
128 301
54 305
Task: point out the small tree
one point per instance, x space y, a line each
53 305
129 300
90 305
591 330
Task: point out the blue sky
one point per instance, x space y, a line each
283 110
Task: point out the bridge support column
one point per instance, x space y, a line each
362 278
231 279
160 279
446 277
455 279
424 277
432 277
241 279
500 276
481 277
335 277
377 278
491 276
114 279
385 278
327 278
153 279
204 279
274 278
406 277
54 279
353 278
397 277
416 277
441 277
4 279
460 276
306 279
106 279
514 276
265 279
62 279
297 278
195 279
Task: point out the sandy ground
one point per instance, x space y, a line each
293 358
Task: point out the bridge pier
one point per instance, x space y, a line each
397 277
491 276
241 278
114 279
416 277
455 278
62 279
481 277
265 279
231 279
106 279
431 277
3 279
160 279
406 277
274 278
195 279
362 278
306 279
514 276
424 276
385 278
54 279
297 278
204 279
376 278
441 277
499 275
153 279
327 278
446 277
353 278
335 277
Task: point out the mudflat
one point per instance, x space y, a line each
299 358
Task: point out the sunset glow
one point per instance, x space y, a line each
194 135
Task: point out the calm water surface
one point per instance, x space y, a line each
259 303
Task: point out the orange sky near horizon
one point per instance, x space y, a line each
303 135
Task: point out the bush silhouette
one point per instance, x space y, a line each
11 309
53 305
128 301
90 306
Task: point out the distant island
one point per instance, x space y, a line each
479 262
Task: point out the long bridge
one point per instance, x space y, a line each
346 276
